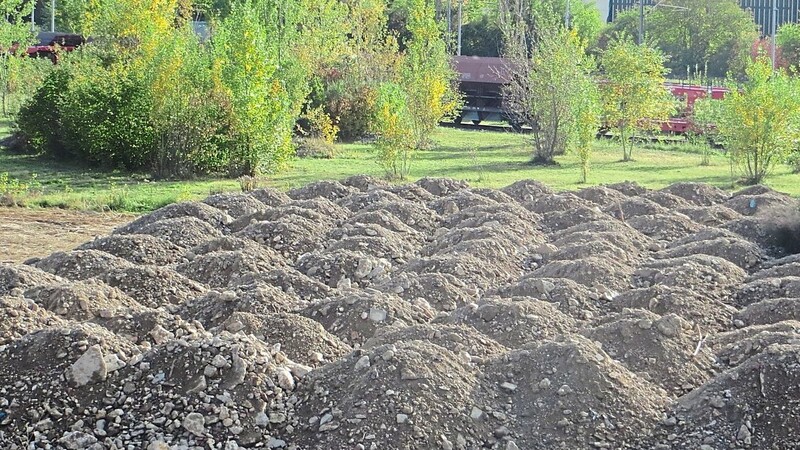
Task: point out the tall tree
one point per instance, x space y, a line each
634 96
708 36
549 76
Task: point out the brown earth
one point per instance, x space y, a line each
356 315
35 233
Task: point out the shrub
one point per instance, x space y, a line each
39 119
309 147
105 117
758 119
318 125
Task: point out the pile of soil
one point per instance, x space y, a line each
356 314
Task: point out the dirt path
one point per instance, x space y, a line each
27 233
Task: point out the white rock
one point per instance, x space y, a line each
113 363
285 378
262 419
91 366
511 387
402 418
276 443
76 440
195 423
377 314
158 445
160 335
476 413
362 363
219 361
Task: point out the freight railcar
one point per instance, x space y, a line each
481 81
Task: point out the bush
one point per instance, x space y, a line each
39 120
310 147
105 117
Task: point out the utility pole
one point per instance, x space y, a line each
773 49
567 14
52 16
460 5
449 26
33 16
641 22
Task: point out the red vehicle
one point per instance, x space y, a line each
687 94
48 45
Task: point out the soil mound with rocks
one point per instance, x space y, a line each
359 314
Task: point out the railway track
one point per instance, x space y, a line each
499 128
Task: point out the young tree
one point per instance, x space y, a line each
587 114
266 83
759 120
634 96
549 76
424 91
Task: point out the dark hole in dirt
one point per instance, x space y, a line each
785 228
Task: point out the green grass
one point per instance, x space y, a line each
486 159
490 159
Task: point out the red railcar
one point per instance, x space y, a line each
687 94
48 45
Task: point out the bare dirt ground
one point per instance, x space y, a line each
27 233
360 315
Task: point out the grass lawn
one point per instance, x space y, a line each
488 159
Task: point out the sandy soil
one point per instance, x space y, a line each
27 233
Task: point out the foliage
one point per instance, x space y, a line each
789 43
105 117
39 119
482 37
118 100
394 129
191 119
349 85
426 75
704 116
586 111
550 85
634 97
408 109
759 120
15 35
264 82
714 36
320 125
584 17
13 190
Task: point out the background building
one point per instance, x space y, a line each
760 9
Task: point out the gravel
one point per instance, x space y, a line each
357 314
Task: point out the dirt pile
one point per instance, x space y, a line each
356 314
